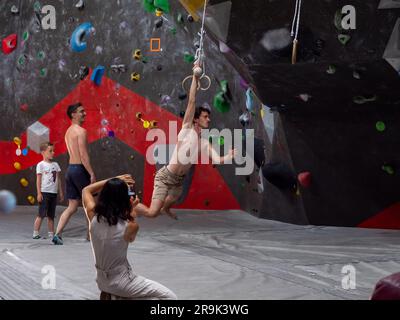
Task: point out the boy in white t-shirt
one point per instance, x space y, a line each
48 183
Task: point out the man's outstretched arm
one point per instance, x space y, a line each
191 107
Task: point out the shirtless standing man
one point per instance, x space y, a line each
168 182
79 173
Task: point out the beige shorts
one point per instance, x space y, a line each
166 183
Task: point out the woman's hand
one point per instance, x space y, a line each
134 203
127 178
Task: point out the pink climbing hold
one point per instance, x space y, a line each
10 43
304 179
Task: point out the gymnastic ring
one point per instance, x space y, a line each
199 83
77 39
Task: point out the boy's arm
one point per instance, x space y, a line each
39 187
60 189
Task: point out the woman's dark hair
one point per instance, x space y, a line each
114 202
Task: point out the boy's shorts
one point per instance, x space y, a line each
166 183
47 208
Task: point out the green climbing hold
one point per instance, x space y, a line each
220 103
344 38
338 19
37 6
388 169
145 59
331 69
22 60
189 58
152 5
221 141
173 31
362 99
43 72
25 35
41 55
380 126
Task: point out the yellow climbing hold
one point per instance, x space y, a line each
24 182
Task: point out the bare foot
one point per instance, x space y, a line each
170 213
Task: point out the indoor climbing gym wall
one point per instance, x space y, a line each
324 117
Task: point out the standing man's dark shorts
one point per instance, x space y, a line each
47 208
76 179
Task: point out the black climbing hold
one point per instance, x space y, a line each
182 114
159 67
159 23
190 18
280 175
83 72
248 179
259 152
182 96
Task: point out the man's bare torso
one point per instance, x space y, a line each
188 139
71 140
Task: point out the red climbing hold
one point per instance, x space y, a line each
10 43
304 179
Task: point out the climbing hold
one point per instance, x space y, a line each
8 201
43 72
77 39
14 9
137 54
135 76
363 99
17 141
165 100
80 5
344 38
146 124
131 157
41 55
10 43
356 75
221 141
243 83
338 20
249 99
97 75
180 19
331 69
156 6
245 119
31 200
220 103
83 72
159 12
182 114
280 175
17 166
190 18
159 23
111 133
189 58
380 126
182 96
206 203
173 31
24 107
304 179
25 35
223 47
388 169
159 67
119 68
25 152
305 97
24 182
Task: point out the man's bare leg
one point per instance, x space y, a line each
169 201
66 215
152 212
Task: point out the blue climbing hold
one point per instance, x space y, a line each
25 152
8 201
78 36
249 99
97 75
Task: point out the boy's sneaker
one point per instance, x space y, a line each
36 237
57 240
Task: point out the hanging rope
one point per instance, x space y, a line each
295 33
199 58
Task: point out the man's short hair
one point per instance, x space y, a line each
72 108
45 145
199 110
